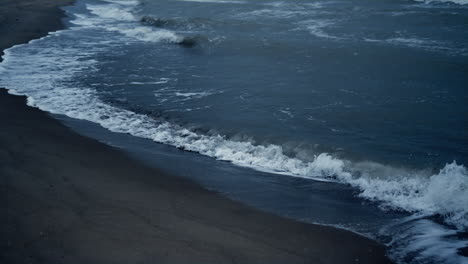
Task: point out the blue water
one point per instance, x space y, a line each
367 80
352 114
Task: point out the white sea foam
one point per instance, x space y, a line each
277 4
460 2
193 95
444 193
215 1
287 111
148 34
419 239
85 21
124 2
114 12
420 43
271 13
317 28
117 18
161 81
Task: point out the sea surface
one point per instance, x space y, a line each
345 113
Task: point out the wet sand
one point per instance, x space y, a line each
66 198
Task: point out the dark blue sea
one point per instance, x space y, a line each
345 113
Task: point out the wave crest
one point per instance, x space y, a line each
444 193
118 18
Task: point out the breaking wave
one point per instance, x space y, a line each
119 18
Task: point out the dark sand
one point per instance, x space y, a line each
69 199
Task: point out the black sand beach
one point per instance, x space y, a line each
69 199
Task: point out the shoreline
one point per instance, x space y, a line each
68 198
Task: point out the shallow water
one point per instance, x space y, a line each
367 97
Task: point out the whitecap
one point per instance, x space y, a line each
117 18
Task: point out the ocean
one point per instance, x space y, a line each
345 113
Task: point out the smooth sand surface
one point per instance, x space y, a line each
66 198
